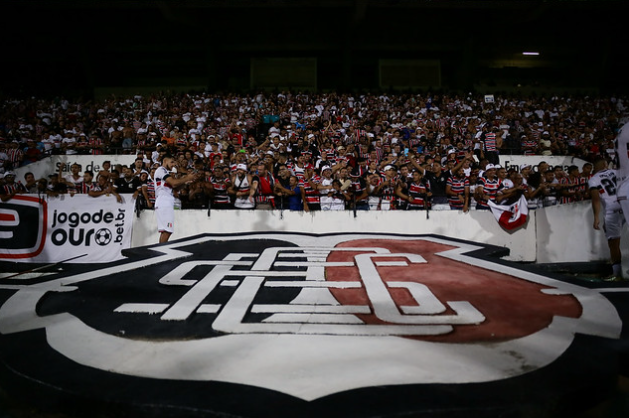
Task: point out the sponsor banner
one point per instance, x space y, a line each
92 230
514 161
512 216
94 163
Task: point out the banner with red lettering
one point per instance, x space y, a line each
82 228
511 217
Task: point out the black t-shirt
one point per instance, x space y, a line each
438 183
124 186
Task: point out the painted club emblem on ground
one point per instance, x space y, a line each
305 315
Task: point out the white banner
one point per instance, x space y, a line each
82 228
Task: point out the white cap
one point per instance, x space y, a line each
490 167
241 167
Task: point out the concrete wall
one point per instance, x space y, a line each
557 234
552 235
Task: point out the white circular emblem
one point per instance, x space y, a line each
362 299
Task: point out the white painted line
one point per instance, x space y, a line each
149 308
209 308
311 309
25 276
311 263
391 263
189 302
336 285
313 319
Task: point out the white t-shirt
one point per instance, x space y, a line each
606 183
162 189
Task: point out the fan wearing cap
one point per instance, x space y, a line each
10 187
545 144
325 188
15 153
525 170
165 183
241 188
486 187
388 186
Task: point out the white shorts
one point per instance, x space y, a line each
614 220
165 213
623 198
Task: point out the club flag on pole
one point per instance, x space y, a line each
513 216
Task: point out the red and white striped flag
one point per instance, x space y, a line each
511 217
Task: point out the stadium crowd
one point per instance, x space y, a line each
315 152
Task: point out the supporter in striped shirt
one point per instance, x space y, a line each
148 188
417 194
311 189
220 186
388 186
360 192
458 191
85 186
486 188
103 187
96 145
571 186
493 143
10 188
15 154
529 145
584 177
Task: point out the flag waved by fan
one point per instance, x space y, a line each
513 216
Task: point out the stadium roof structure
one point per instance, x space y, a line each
116 43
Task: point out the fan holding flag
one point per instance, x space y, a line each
512 211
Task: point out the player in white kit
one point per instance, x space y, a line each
622 172
603 190
164 198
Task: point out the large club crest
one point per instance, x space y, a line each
292 313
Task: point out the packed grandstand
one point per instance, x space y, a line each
363 151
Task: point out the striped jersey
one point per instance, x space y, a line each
490 188
457 185
417 193
490 142
220 189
